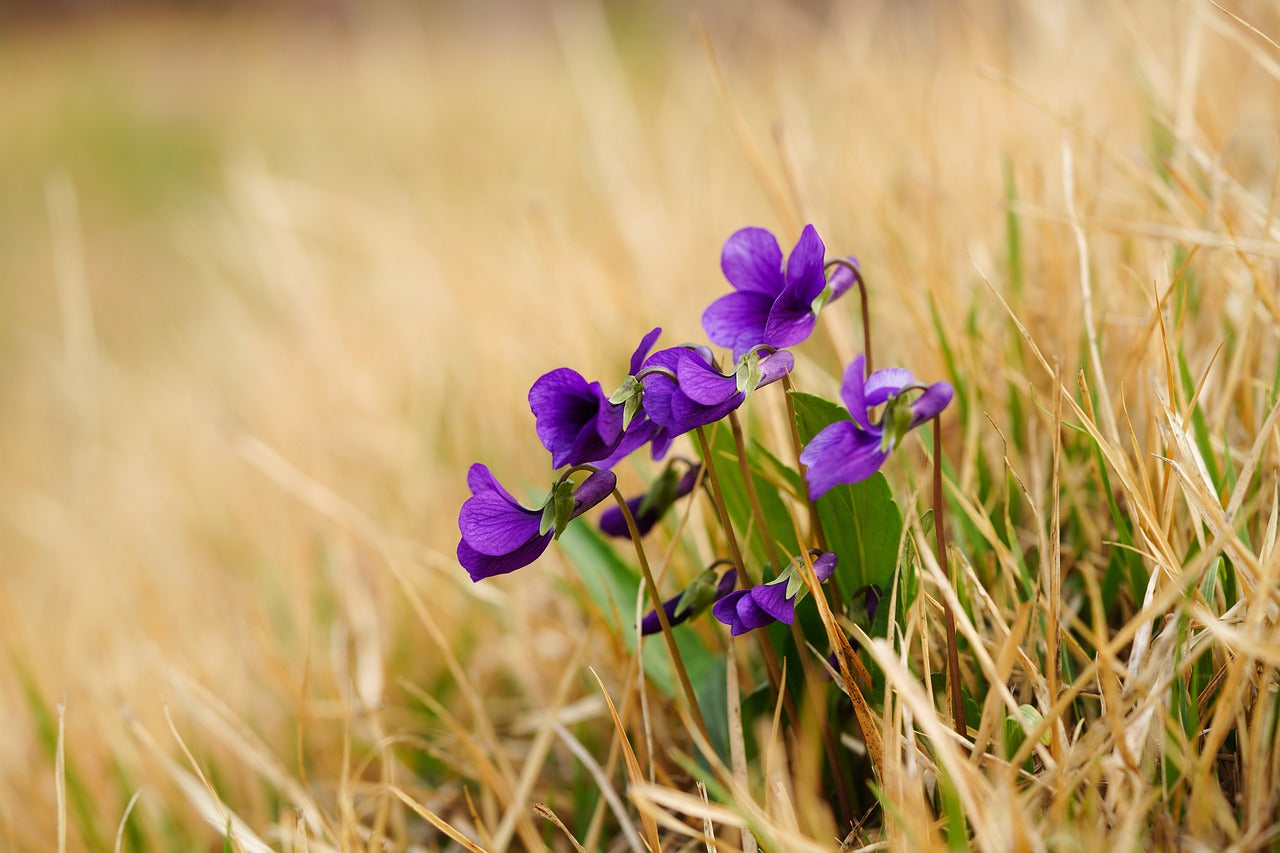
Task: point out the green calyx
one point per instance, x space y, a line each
747 373
698 595
558 509
896 421
630 395
662 494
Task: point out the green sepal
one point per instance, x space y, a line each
558 510
698 595
896 422
630 395
662 494
747 373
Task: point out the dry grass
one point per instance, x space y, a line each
260 314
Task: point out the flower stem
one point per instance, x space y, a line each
940 539
717 497
656 598
815 523
753 496
866 315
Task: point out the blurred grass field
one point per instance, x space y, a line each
269 285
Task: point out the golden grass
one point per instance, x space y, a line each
270 288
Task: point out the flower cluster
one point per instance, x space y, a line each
668 392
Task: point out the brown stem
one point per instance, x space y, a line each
866 316
815 523
753 496
656 598
717 497
940 539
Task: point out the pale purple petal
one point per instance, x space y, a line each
931 403
825 566
805 276
481 566
774 367
772 599
841 279
481 479
702 383
737 320
840 453
853 390
592 491
492 525
883 384
752 261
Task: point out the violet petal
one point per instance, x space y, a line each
752 261
805 276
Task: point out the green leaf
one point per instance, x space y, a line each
777 517
862 521
612 584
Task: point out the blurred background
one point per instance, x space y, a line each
272 276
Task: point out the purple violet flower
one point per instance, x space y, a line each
694 599
771 305
576 421
851 451
499 535
647 509
700 394
775 601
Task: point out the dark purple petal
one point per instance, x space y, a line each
752 261
840 453
481 566
702 383
650 624
592 491
727 582
931 403
687 415
637 435
737 320
646 344
726 609
772 599
841 279
563 405
853 390
883 384
614 523
750 615
789 323
805 276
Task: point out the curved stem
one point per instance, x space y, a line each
940 540
656 598
866 316
815 523
753 496
717 497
